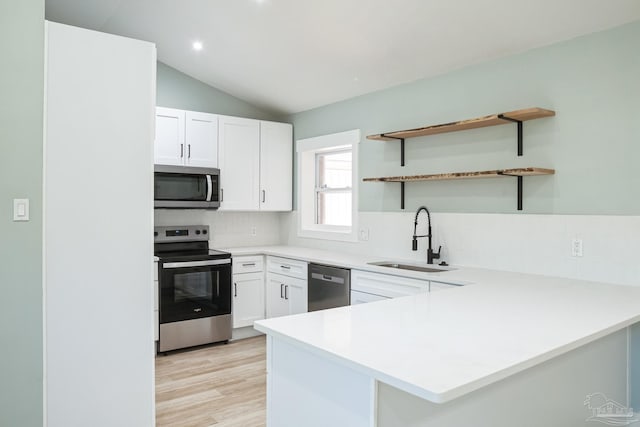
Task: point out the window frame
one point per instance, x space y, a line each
306 150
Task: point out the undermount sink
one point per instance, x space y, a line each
412 267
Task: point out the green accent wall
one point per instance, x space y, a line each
21 109
178 90
634 367
593 142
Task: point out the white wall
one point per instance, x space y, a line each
98 199
539 244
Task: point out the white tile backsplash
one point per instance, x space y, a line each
228 229
539 244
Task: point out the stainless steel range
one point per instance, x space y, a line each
195 288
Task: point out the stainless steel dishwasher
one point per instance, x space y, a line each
329 287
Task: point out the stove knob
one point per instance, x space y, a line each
197 231
155 234
204 231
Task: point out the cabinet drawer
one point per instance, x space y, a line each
155 270
386 285
358 297
287 267
440 286
248 264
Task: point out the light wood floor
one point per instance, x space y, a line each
221 386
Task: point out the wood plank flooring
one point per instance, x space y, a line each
220 386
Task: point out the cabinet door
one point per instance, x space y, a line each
276 304
239 160
296 295
248 299
201 139
276 166
169 146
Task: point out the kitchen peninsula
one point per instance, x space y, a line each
535 346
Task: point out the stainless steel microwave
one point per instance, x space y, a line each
186 187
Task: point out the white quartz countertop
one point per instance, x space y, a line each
443 345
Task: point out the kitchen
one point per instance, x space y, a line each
588 82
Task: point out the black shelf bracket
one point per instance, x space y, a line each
520 185
519 123
401 147
402 195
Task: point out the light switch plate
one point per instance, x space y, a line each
363 234
21 209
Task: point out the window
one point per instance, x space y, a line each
327 190
333 188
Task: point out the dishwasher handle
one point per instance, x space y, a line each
327 278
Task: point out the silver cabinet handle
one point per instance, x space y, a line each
189 151
181 150
264 196
286 267
249 264
281 286
222 194
235 289
286 287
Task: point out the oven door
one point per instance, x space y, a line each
186 187
194 289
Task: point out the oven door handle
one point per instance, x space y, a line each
196 263
209 185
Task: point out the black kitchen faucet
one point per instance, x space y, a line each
430 254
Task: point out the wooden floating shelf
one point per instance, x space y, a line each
479 122
465 175
519 173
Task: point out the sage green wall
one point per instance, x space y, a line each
21 107
178 90
593 142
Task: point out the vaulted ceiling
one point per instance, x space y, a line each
293 55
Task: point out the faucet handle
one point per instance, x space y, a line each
436 255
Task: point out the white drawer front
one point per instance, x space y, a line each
386 285
248 264
358 297
287 267
439 286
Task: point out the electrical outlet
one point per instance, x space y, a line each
363 234
576 247
253 231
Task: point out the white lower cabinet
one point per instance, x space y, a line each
248 304
286 287
358 297
368 287
386 285
285 295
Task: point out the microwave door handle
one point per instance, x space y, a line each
209 188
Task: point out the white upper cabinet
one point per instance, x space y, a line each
239 159
201 139
169 145
276 170
256 169
186 138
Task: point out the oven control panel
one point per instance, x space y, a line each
182 233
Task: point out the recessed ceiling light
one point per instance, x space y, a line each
197 46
